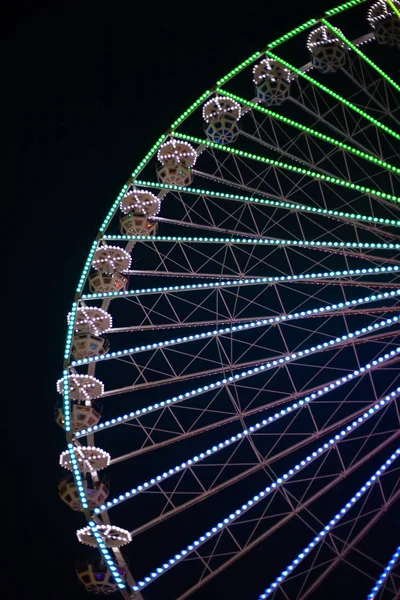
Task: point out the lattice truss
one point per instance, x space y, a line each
255 345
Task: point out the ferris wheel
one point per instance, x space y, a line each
232 353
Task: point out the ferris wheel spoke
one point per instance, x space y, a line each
224 231
347 547
287 518
341 277
361 54
275 116
264 461
178 362
194 462
266 201
235 515
385 574
311 394
331 161
333 94
371 483
257 366
326 309
271 193
374 103
302 102
288 167
266 467
238 320
186 241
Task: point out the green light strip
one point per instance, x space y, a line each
313 132
325 89
191 108
253 241
140 166
287 167
244 282
396 11
361 54
239 68
342 7
86 268
268 202
292 33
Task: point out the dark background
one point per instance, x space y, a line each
89 87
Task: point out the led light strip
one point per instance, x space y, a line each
287 166
70 330
252 241
309 130
246 432
240 376
266 491
92 524
106 555
268 202
342 7
236 328
396 10
147 157
66 402
361 54
86 268
254 281
187 112
140 166
322 87
330 526
385 573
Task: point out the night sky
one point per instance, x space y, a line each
92 86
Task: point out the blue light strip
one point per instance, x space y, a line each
246 432
250 372
240 376
106 555
328 527
252 241
77 477
66 402
266 491
384 574
92 524
236 282
237 328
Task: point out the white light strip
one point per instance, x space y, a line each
332 523
240 376
391 564
234 283
252 241
236 328
266 491
246 432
